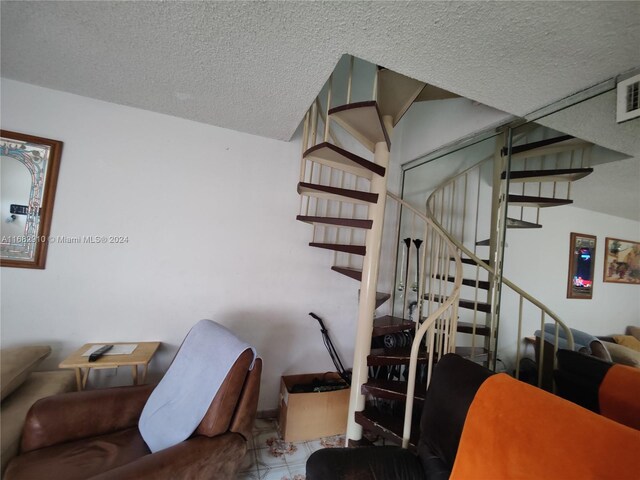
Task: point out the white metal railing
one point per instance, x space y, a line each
569 154
437 266
434 272
452 219
318 128
456 207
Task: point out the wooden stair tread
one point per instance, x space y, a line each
517 223
470 261
387 426
467 327
393 389
469 282
541 202
335 157
337 221
354 273
363 121
481 284
353 249
394 356
473 353
535 145
400 355
463 303
473 305
335 193
396 93
569 145
511 223
363 442
484 243
431 92
389 324
551 175
381 298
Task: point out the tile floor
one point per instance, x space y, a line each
271 458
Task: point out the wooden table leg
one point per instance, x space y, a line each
134 372
144 373
85 377
78 379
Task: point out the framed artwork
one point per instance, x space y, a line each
622 261
29 174
582 259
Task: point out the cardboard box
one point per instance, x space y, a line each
307 416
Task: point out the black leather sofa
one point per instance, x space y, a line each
609 389
578 378
445 409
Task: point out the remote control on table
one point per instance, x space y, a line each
100 352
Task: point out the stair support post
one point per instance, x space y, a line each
499 193
368 290
496 191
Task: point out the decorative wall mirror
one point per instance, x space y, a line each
582 257
28 175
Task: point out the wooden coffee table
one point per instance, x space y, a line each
140 356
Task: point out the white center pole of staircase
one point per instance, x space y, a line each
368 289
495 247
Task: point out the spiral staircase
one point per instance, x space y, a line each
343 191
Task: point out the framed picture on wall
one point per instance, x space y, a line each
621 261
582 252
28 177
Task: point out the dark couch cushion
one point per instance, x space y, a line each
578 378
453 386
433 466
368 463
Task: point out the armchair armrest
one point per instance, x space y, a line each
216 457
71 416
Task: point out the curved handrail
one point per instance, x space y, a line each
488 268
450 302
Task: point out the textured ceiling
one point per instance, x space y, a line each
256 66
595 120
611 189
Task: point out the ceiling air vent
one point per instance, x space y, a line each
628 99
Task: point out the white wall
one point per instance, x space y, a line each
210 218
538 261
428 126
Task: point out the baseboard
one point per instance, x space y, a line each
273 413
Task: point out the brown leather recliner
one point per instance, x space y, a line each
94 434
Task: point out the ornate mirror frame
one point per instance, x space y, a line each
582 259
41 157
